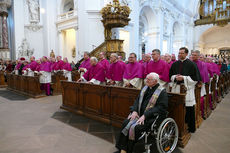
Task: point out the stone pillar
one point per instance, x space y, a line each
4 31
1 42
4 41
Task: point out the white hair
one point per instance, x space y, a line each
94 58
168 55
154 76
196 51
114 54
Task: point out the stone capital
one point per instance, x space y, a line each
4 5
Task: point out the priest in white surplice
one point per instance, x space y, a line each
185 72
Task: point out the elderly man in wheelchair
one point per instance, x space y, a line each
148 117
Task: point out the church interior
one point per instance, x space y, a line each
114 76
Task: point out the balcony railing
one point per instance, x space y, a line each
67 15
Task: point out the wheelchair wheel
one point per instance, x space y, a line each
167 136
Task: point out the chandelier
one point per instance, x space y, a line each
215 12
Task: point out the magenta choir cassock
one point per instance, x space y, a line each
95 74
134 74
161 68
116 72
202 66
45 77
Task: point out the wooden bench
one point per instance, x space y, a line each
198 115
25 85
207 107
56 82
111 104
213 92
3 84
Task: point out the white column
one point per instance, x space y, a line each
61 42
134 34
78 55
160 21
1 42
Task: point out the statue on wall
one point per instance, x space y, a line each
74 52
34 10
24 50
52 54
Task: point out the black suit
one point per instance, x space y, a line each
161 106
20 69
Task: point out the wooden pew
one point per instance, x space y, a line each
75 75
220 88
198 115
207 107
112 104
56 82
3 84
25 85
10 81
213 92
227 80
225 83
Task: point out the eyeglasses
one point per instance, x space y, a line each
149 79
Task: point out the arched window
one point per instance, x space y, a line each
68 5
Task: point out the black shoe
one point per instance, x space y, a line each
51 91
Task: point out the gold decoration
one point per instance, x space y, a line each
218 15
52 54
114 15
74 52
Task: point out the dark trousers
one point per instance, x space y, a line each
123 142
190 118
46 87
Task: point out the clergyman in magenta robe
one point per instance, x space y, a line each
85 65
202 67
133 73
104 62
116 71
95 73
67 69
45 75
158 66
59 64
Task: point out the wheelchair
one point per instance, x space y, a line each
165 135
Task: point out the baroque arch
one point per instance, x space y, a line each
177 37
147 29
214 39
66 6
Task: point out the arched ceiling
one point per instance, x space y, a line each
188 5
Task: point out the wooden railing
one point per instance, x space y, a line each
109 46
96 51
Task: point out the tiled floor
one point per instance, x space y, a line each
39 126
